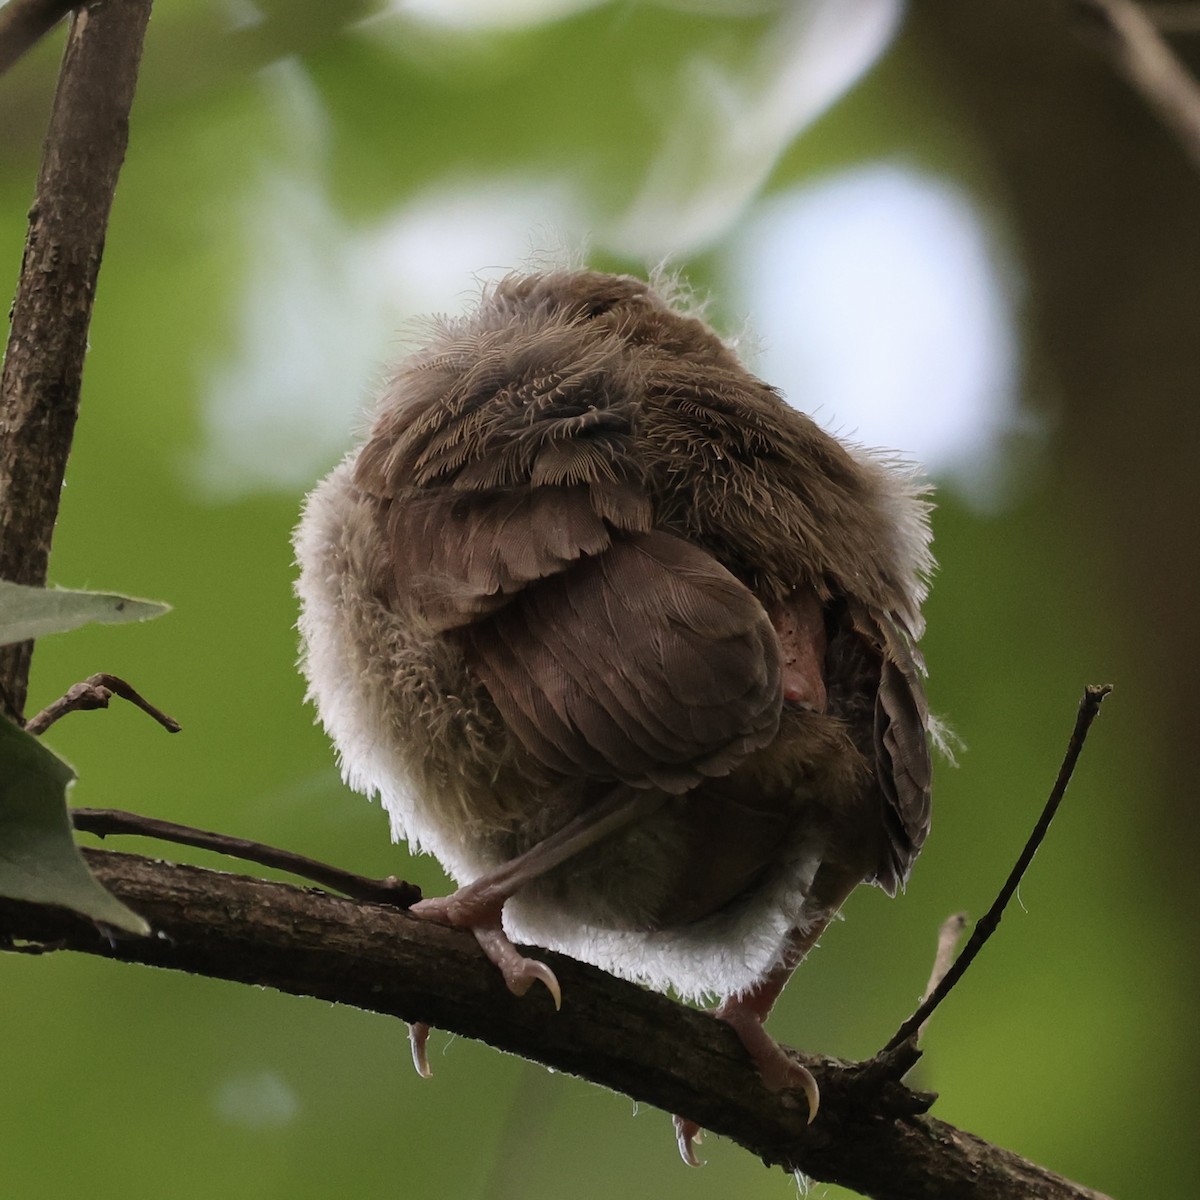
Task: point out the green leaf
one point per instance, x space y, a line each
30 612
39 861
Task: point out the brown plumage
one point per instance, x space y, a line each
591 581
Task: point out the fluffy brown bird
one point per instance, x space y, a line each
626 642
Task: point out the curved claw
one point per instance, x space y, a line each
802 1078
687 1135
520 973
418 1037
529 972
779 1071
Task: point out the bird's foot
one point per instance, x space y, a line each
466 910
482 918
520 973
478 906
776 1067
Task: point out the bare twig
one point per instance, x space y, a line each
95 692
1089 707
43 364
25 22
870 1135
1148 63
105 821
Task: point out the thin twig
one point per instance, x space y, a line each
103 821
1151 67
1089 707
23 23
95 692
43 363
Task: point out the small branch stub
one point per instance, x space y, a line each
95 692
951 931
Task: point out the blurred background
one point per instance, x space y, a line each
949 230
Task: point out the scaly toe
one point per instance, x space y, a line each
776 1068
520 973
779 1071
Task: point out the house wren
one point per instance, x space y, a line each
625 641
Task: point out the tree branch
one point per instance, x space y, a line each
870 1136
43 364
105 821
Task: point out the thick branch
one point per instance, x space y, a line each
43 365
870 1135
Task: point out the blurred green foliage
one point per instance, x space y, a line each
125 1082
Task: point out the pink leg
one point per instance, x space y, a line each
746 1013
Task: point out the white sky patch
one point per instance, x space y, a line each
882 311
728 131
256 1100
321 310
488 14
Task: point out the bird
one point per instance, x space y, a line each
628 642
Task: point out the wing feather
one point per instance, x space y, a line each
903 760
606 644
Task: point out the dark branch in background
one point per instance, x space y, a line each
871 1135
25 22
1089 708
43 364
105 821
1142 55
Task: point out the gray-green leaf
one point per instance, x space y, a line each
39 861
31 612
